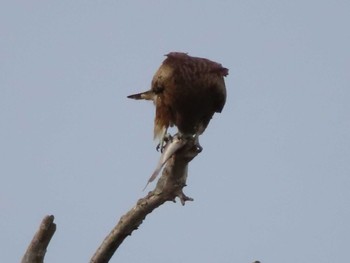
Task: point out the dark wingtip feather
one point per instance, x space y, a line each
135 96
147 95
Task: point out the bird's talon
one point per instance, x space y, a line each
199 148
164 141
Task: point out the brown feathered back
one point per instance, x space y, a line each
186 91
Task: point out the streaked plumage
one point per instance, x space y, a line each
186 91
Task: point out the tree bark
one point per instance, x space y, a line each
37 248
169 186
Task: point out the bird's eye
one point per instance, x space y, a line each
158 89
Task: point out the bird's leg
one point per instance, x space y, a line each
164 138
194 137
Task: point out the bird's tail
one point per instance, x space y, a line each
147 95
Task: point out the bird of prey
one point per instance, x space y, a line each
186 92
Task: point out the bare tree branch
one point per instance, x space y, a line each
169 186
37 248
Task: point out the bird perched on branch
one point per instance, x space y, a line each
186 91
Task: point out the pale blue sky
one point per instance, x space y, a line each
272 183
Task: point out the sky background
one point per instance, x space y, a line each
272 183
